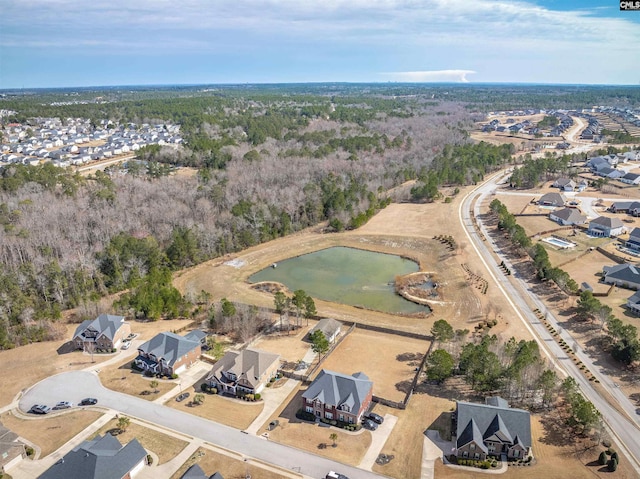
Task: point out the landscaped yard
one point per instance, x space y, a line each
386 358
232 412
123 379
230 465
51 432
166 447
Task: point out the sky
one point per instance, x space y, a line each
69 43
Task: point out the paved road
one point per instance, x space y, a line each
625 429
73 386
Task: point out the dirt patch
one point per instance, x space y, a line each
230 465
382 357
52 432
166 447
123 379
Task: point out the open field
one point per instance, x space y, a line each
232 412
52 431
164 446
290 347
121 378
379 356
230 465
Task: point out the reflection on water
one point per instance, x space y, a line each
346 275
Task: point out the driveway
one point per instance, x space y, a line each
378 440
73 386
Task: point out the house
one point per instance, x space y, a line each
197 335
622 275
336 396
329 327
631 207
551 199
104 332
196 472
167 353
243 372
12 451
634 240
611 173
103 457
568 216
631 179
633 303
492 429
605 226
565 184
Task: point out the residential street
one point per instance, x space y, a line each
625 430
73 386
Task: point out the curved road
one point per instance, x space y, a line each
625 429
73 386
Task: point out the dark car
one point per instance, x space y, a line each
375 417
88 402
369 424
182 397
39 409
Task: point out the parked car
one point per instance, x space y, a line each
375 417
182 397
369 424
88 402
62 405
39 409
335 475
126 344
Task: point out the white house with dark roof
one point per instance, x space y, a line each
492 429
622 275
631 207
634 240
606 227
336 396
551 199
167 353
105 332
243 372
631 179
633 303
565 184
568 216
103 457
329 327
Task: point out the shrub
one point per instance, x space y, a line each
333 422
268 385
30 451
174 376
250 397
204 387
614 456
612 465
149 459
602 459
305 416
257 396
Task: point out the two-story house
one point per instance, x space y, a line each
168 353
104 332
243 372
338 396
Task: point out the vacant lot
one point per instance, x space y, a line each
51 432
164 446
290 347
230 465
232 412
123 379
387 359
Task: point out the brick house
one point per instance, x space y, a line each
104 332
492 429
168 353
243 372
338 396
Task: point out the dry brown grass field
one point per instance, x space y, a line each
290 347
166 447
121 378
230 465
379 356
51 432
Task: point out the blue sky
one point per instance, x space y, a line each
56 43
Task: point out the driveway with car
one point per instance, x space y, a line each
378 440
75 385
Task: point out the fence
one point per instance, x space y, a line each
611 256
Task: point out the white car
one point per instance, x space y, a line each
126 344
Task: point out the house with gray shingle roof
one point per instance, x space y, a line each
12 451
102 458
622 275
551 199
105 332
634 240
329 327
243 372
196 472
605 226
167 353
633 303
336 396
631 179
492 429
568 216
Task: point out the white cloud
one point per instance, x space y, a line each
430 76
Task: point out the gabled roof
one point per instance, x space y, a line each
496 401
631 176
606 222
106 324
247 365
102 458
562 182
8 440
196 472
328 326
337 389
570 215
622 272
635 234
169 346
471 433
626 205
634 298
555 199
497 431
195 335
511 422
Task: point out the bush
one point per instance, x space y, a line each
614 456
602 459
174 376
305 416
612 465
204 387
149 459
30 451
257 396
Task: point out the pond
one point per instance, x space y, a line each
346 275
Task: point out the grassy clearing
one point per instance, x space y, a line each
51 432
123 379
165 446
